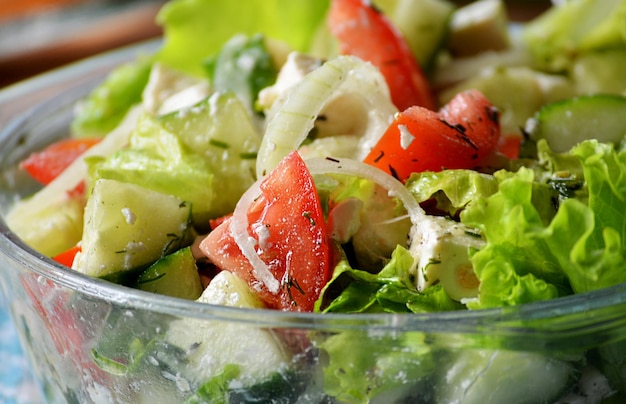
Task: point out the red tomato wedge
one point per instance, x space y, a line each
67 257
70 334
288 225
44 166
365 32
510 145
461 135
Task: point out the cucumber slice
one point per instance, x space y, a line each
568 122
173 275
212 345
51 228
496 376
128 227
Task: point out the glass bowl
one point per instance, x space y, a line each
89 340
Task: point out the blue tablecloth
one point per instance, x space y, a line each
16 383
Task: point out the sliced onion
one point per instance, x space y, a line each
318 166
359 169
295 116
395 188
239 229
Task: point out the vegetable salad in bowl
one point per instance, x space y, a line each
330 201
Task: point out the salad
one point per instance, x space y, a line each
343 156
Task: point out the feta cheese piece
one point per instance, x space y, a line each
478 27
170 90
293 71
441 247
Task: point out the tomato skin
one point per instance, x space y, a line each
213 223
67 257
365 32
509 146
294 244
461 135
45 165
71 334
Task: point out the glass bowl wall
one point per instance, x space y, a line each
92 341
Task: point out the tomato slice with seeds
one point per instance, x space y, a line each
365 32
291 237
463 134
45 165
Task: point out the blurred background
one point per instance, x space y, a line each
38 35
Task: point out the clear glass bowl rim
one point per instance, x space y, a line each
471 322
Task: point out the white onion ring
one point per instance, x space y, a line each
359 169
292 122
393 186
239 230
317 166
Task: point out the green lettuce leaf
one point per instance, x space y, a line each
365 365
508 280
533 254
573 28
221 131
596 259
197 29
157 159
242 66
105 106
517 261
451 190
562 171
392 290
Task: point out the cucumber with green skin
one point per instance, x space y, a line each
425 24
127 227
563 124
214 345
173 275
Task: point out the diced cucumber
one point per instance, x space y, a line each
425 25
211 346
158 160
600 72
173 275
220 129
496 376
479 27
568 122
128 227
224 388
48 221
51 228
